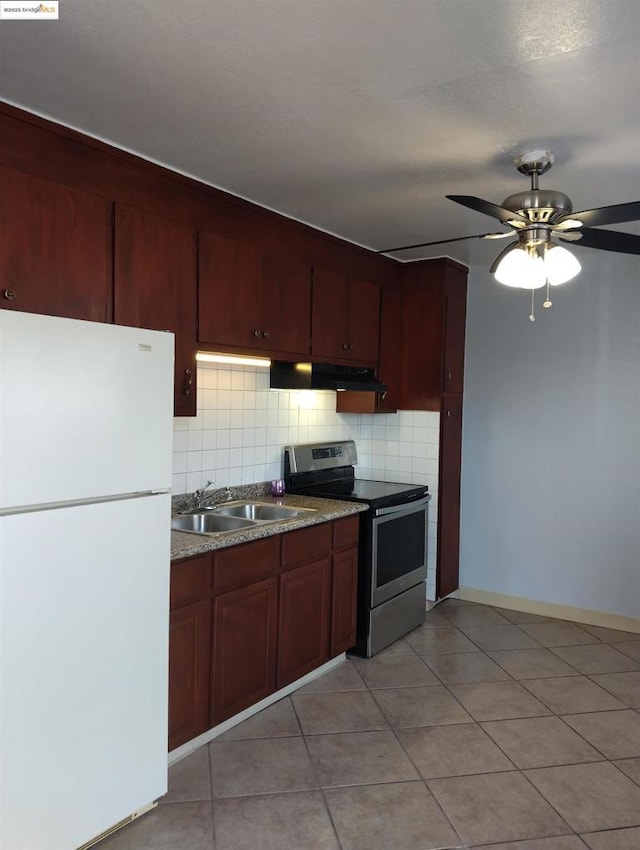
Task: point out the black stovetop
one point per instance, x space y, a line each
376 493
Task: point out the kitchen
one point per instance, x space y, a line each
555 401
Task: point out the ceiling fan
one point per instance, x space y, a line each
534 217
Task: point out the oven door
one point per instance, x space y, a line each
398 549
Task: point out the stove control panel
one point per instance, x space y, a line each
308 457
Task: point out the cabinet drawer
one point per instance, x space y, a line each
346 532
244 564
307 544
190 580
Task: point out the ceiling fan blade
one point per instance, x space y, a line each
499 235
438 242
502 253
486 207
607 215
569 236
605 240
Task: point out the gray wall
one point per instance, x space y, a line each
551 440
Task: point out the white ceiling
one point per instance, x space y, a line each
356 116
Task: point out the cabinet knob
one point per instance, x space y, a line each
265 334
449 376
345 345
188 382
350 346
257 332
9 294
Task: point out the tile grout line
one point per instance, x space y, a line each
317 778
415 767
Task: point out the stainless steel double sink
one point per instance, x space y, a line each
234 516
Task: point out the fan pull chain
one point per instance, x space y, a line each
532 314
547 302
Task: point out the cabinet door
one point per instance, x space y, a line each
389 364
55 249
364 321
455 317
286 305
448 558
303 635
155 287
229 287
329 314
244 648
189 643
343 601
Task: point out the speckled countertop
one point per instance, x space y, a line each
185 544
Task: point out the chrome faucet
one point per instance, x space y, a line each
200 496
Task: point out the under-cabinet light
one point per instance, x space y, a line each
233 359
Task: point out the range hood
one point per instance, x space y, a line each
323 376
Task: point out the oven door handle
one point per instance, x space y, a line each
405 507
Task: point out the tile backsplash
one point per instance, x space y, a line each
241 427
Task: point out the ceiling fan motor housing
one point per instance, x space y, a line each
539 205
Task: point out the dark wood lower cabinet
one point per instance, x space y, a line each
448 563
189 641
189 649
344 591
303 631
244 647
250 619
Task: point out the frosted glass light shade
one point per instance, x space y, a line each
560 265
522 270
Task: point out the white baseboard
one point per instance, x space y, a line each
191 746
551 609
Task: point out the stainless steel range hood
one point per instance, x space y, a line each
323 376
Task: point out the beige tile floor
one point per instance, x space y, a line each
484 728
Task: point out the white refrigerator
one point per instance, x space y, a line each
85 470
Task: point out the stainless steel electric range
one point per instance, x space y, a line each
392 566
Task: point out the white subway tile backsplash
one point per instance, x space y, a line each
241 427
179 441
179 462
194 441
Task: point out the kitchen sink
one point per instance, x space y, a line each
234 516
256 511
209 522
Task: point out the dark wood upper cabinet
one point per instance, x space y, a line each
229 299
434 299
155 287
286 304
329 319
364 320
55 249
251 298
345 318
389 366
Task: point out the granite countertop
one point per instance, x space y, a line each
185 544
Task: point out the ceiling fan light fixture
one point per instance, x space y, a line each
522 269
560 265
